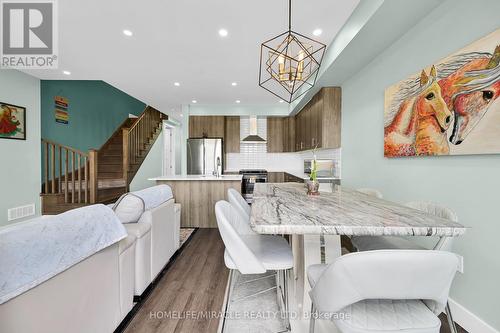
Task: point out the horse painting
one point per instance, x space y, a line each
469 85
421 120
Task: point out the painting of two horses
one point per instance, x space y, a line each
450 108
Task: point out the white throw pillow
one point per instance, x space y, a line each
129 208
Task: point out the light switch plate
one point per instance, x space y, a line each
20 212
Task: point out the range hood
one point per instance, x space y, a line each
253 136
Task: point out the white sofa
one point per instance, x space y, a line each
156 229
93 295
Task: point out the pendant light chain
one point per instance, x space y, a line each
289 15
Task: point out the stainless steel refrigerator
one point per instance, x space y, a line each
204 157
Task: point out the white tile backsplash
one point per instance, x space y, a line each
255 155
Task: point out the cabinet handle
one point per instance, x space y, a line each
313 142
301 145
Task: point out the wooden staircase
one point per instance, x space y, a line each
73 178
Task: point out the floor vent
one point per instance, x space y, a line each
20 212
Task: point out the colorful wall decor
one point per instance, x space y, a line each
450 108
61 110
12 122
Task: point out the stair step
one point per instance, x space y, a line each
109 175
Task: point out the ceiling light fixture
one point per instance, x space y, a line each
289 63
127 33
66 72
317 32
223 33
177 84
234 84
281 101
194 101
238 101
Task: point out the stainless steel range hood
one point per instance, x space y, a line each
253 136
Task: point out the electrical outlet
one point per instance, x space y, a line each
460 263
20 212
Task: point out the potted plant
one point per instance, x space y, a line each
313 184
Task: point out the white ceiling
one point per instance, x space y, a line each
178 41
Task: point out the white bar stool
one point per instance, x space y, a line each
383 291
254 254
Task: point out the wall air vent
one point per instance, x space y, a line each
20 212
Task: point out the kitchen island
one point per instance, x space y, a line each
198 194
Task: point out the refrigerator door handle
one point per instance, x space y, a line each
204 154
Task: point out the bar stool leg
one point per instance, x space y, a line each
451 323
312 319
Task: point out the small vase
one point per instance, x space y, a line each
312 187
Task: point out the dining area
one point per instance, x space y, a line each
343 261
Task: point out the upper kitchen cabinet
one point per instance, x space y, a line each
275 134
206 126
232 134
289 134
318 123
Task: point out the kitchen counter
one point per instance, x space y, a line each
296 173
198 196
198 177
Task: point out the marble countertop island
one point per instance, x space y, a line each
287 209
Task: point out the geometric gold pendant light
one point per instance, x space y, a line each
289 63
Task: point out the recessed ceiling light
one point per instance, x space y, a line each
238 101
177 84
281 101
317 32
194 101
127 33
234 84
66 72
223 33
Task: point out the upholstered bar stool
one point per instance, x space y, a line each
253 254
243 208
387 291
369 243
238 202
371 191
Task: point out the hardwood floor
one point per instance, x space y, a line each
194 284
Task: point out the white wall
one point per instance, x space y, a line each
20 174
151 167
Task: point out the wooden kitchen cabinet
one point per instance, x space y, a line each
232 134
275 134
275 177
206 126
319 122
289 134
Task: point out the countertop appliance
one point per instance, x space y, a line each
250 177
204 157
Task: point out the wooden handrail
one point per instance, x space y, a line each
64 147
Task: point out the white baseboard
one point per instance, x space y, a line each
469 321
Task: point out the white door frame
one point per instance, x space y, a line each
168 168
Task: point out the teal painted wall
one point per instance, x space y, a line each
96 109
467 184
19 160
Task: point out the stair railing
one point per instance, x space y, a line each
136 139
66 170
